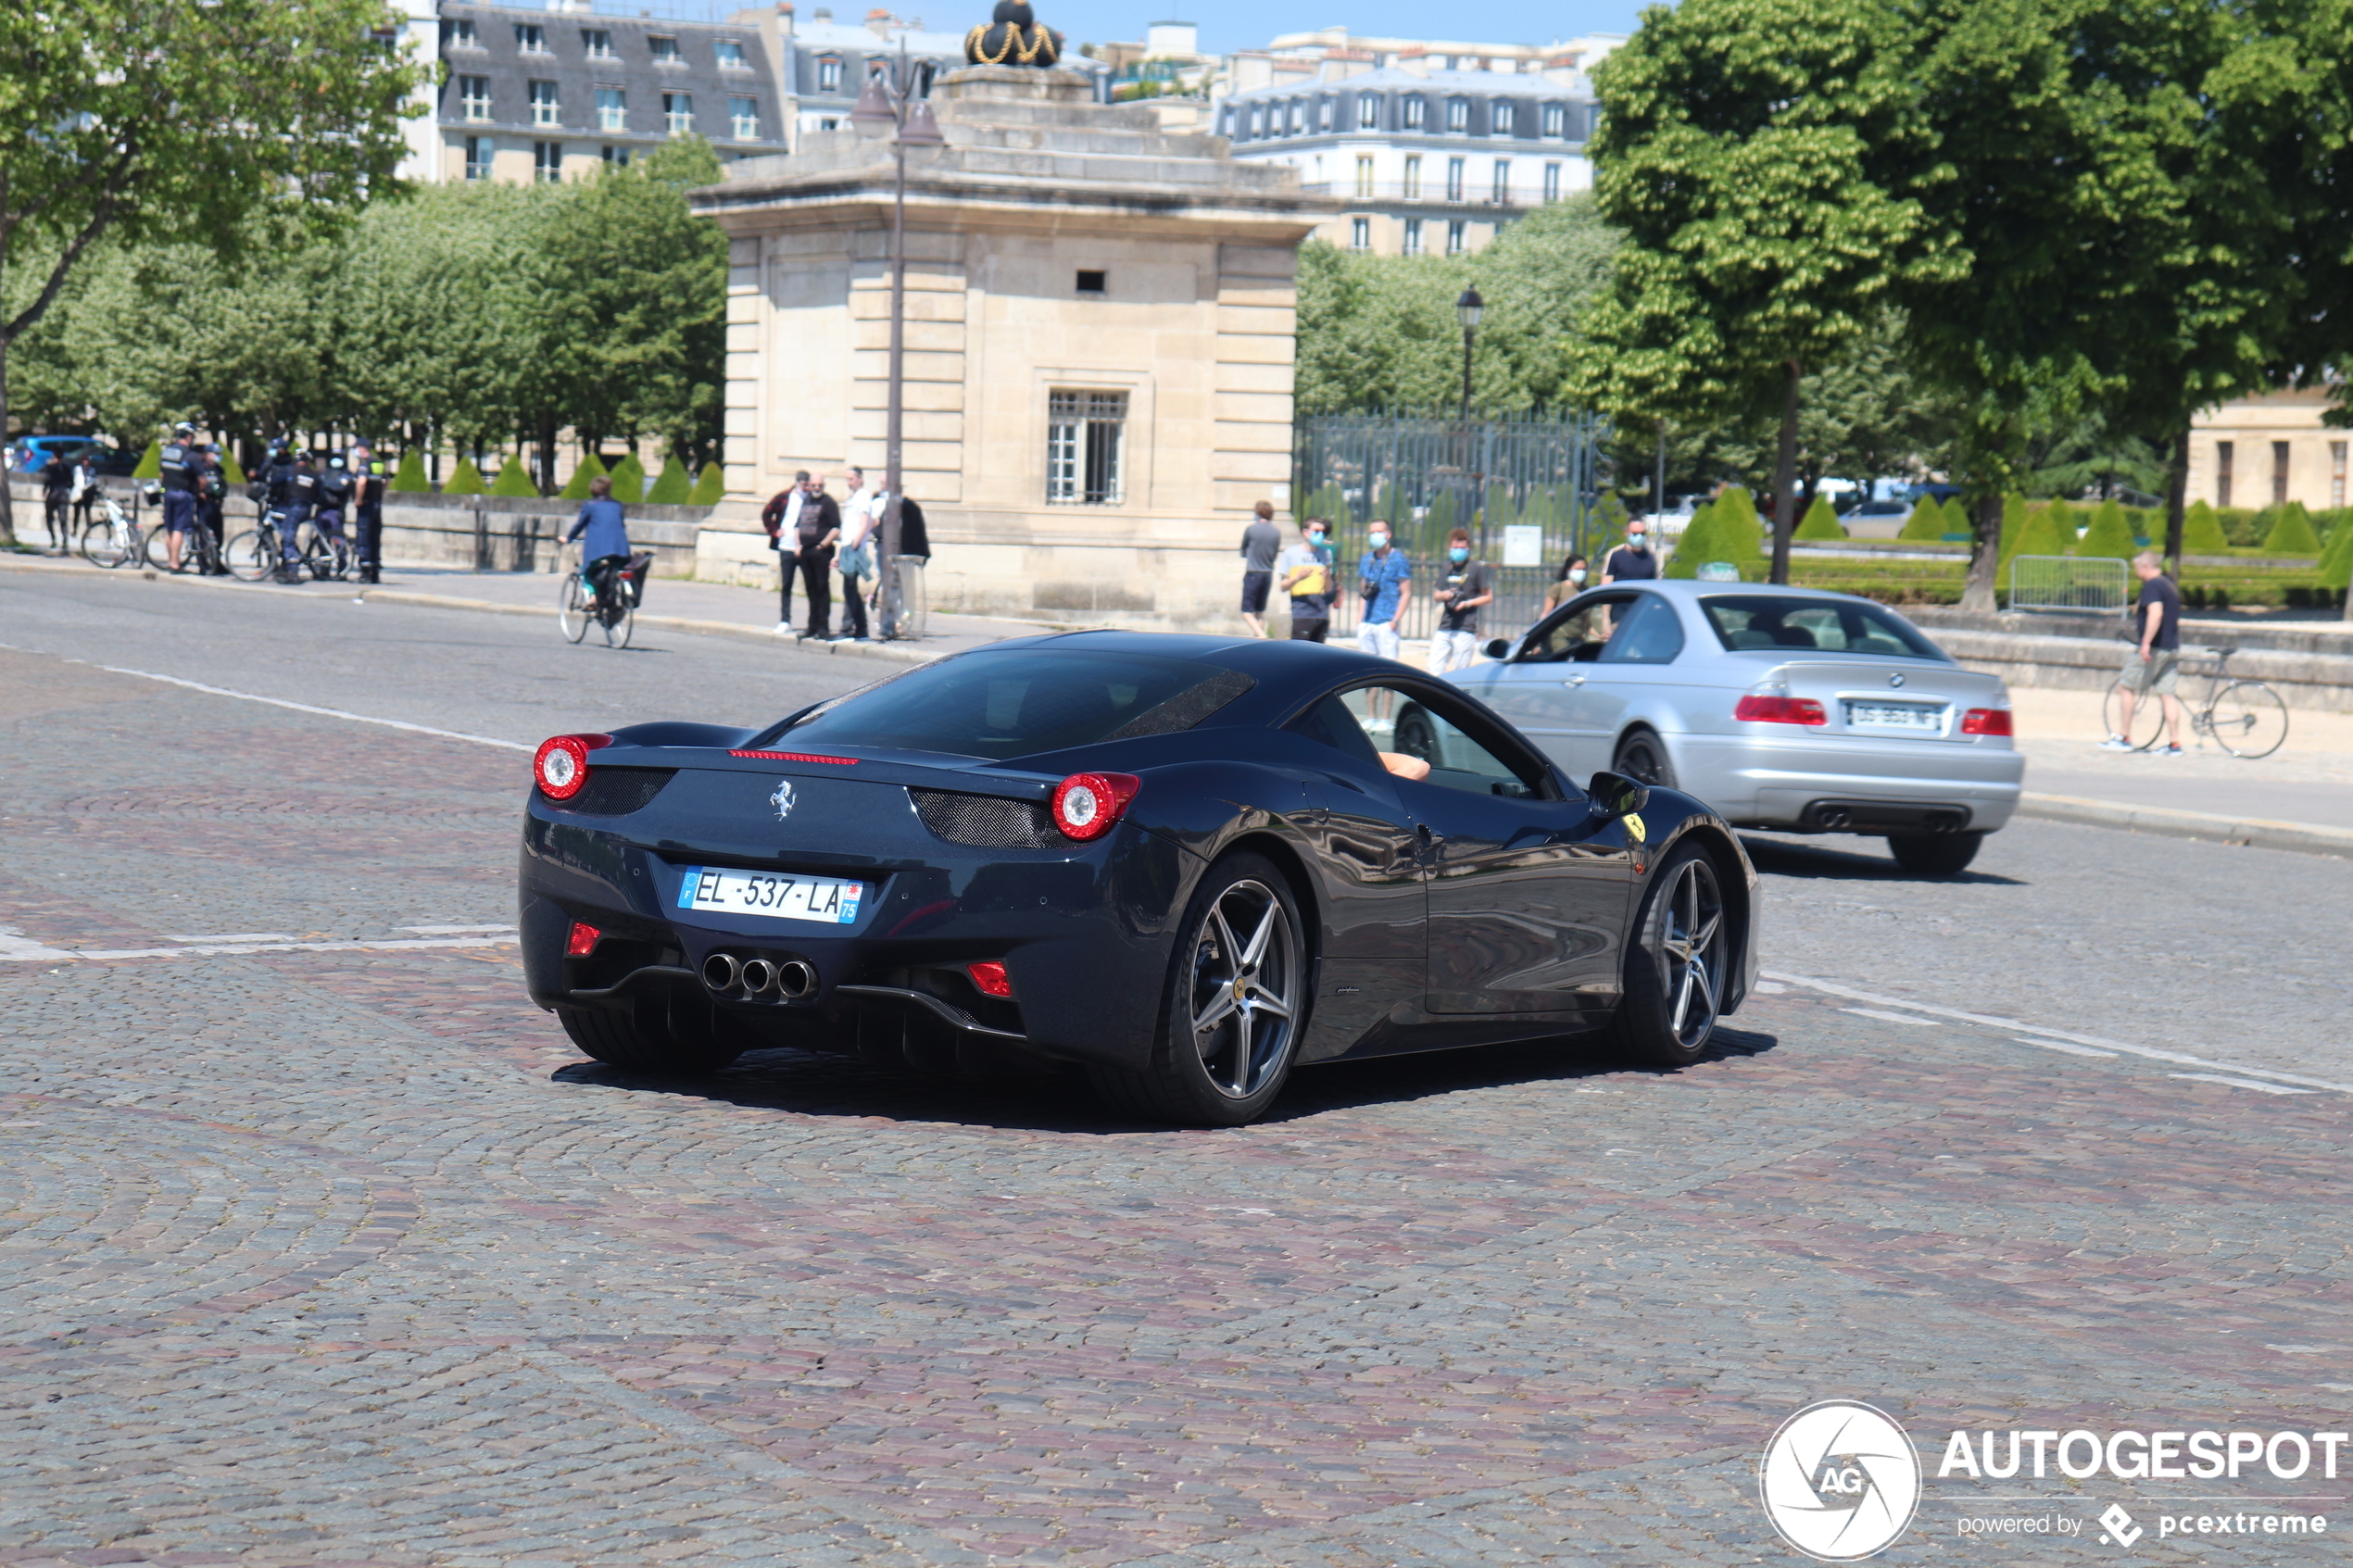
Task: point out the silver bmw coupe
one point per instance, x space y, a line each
1784 709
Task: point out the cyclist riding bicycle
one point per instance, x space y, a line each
606 551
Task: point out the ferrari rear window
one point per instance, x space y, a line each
1020 704
1779 622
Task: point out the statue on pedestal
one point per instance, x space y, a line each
1014 37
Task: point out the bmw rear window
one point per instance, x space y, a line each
1020 704
1782 623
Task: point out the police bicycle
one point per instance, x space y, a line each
199 554
114 539
258 551
580 604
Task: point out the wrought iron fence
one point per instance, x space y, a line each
1526 489
2068 582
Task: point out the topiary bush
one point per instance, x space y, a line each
2109 534
1741 530
576 487
2049 530
1926 525
230 474
1819 521
151 462
2292 533
710 487
674 485
1695 546
2336 557
2240 527
2202 533
628 480
514 479
410 480
464 480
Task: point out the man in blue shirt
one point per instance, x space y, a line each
1386 580
606 549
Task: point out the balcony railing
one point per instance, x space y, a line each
1433 195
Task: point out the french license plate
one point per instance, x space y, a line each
778 895
1921 718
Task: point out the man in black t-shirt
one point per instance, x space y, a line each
2154 665
1632 561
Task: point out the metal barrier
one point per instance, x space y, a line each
2070 583
1524 488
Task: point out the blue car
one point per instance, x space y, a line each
1186 865
33 452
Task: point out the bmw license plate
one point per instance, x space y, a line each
780 895
1913 718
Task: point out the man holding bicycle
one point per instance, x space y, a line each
2155 664
178 464
606 552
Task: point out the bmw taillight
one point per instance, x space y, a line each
1753 710
1086 805
561 767
992 978
1986 721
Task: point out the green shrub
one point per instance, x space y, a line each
2202 533
2291 533
1926 525
1741 530
2109 534
674 485
576 487
2336 559
711 488
629 480
2240 527
410 477
1696 546
2049 530
230 472
464 480
151 462
2148 527
514 479
1819 523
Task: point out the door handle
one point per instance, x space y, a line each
1574 681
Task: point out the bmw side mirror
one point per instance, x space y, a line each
1615 795
1498 648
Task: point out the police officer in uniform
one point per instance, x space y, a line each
179 462
212 489
301 490
368 515
335 495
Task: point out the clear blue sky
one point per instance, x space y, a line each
1227 25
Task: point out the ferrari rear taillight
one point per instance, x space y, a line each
992 978
561 767
1086 805
1753 710
583 940
1986 721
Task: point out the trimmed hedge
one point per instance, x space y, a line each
1819 521
2292 533
465 480
576 487
150 461
410 479
1926 525
711 488
514 479
628 480
231 472
2109 534
2202 532
674 485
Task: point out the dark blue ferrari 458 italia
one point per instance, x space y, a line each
1186 864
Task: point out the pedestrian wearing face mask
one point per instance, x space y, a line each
1306 576
1463 587
1632 561
1386 578
1568 585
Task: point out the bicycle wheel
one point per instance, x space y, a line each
152 553
317 551
2248 719
104 544
251 555
2148 717
618 618
573 610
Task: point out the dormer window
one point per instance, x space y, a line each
665 50
731 55
829 73
531 38
1368 113
1458 114
461 33
1500 119
1416 113
1556 120
597 42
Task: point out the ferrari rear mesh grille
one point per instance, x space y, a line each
987 821
616 792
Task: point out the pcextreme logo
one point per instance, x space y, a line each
1840 1481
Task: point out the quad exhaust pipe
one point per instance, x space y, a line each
724 975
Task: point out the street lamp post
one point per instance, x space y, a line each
893 109
1468 309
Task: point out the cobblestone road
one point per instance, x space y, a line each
319 1245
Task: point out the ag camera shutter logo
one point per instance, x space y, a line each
1840 1481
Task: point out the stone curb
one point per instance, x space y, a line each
2261 833
895 653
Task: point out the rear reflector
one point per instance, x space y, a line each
992 978
582 941
1986 721
796 757
1780 711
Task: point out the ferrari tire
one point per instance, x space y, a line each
1677 960
1232 1009
1641 757
671 1036
1935 854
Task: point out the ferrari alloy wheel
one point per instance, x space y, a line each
1236 1000
675 1033
1674 965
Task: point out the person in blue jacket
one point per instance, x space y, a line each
606 549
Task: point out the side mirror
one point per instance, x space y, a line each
1615 795
1498 648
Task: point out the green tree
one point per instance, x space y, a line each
464 480
184 118
410 479
1760 155
1820 522
576 487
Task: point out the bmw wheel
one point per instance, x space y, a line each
1641 757
1675 964
1233 1006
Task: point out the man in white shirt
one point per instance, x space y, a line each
861 522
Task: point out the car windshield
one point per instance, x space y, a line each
1018 704
1782 623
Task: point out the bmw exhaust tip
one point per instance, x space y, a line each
719 971
795 979
758 976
